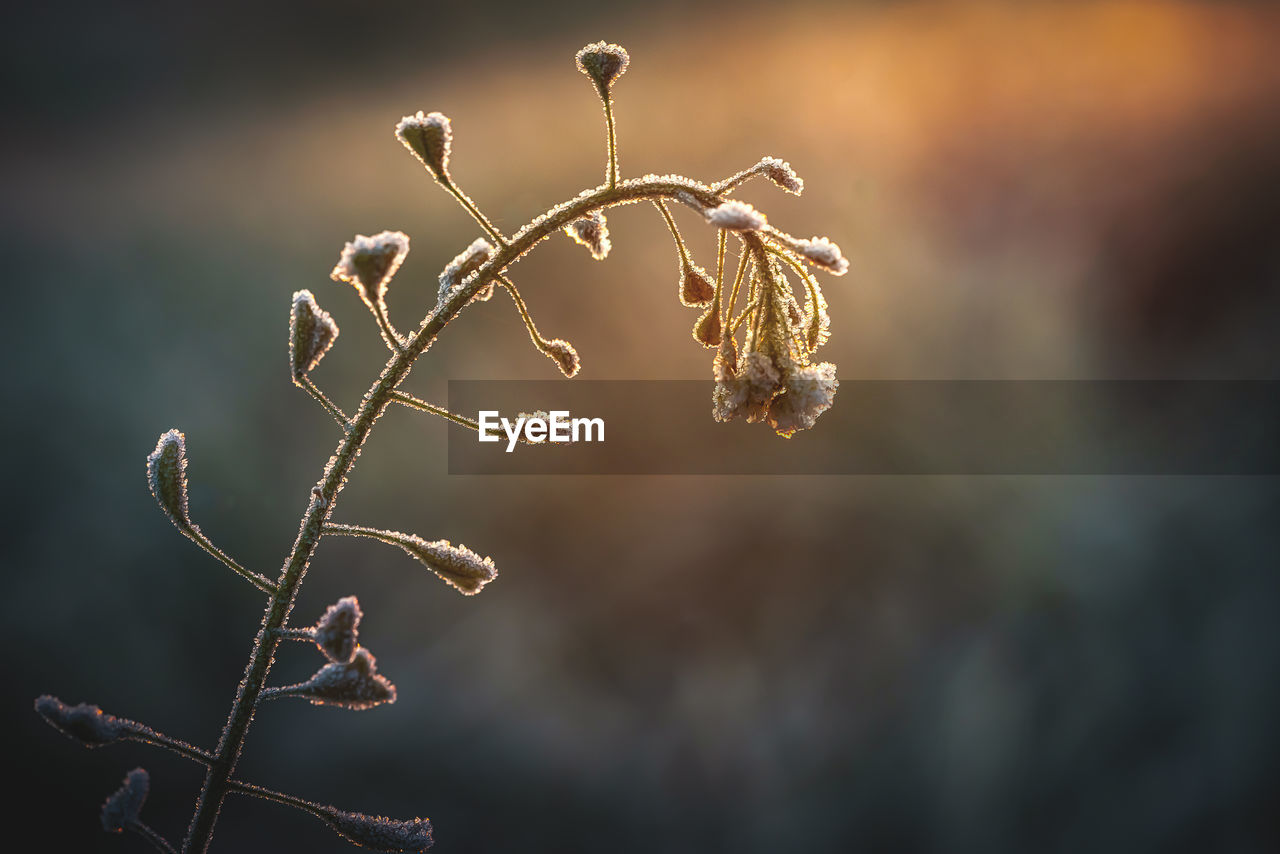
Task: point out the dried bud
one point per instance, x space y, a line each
807 393
604 63
696 287
747 393
167 476
368 263
725 365
430 138
793 311
562 353
87 724
336 633
458 565
351 685
122 809
464 264
592 231
825 254
736 216
707 330
312 331
781 173
378 833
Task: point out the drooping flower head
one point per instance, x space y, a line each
604 63
592 231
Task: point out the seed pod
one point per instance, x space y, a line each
430 138
87 724
312 331
696 287
122 809
167 476
604 63
378 833
592 231
458 565
368 263
707 330
337 631
780 172
563 354
351 685
464 264
825 254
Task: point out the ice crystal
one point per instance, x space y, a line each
736 216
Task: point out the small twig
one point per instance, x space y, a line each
258 581
151 836
332 408
412 402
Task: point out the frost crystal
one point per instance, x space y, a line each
464 264
167 477
458 565
351 685
780 172
378 833
825 254
695 287
564 355
604 63
736 216
122 809
312 331
87 724
336 633
807 393
592 231
368 263
430 138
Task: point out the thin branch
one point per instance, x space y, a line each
412 402
151 836
470 207
685 262
305 382
278 797
394 342
307 635
197 536
611 172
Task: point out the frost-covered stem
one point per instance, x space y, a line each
151 836
360 531
421 405
321 398
320 506
538 340
159 739
388 331
675 233
737 283
470 207
296 634
278 797
253 578
611 172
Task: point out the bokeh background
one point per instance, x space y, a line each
1061 191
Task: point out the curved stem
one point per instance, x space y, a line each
611 172
389 334
320 506
675 233
151 836
329 406
412 402
470 207
277 797
197 536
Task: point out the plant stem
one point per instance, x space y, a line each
217 780
470 207
412 402
321 398
151 836
611 174
197 536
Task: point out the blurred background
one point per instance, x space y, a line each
1029 191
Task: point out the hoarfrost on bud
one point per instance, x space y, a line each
696 288
464 264
167 477
312 331
748 391
355 684
825 254
592 231
337 631
123 808
368 263
378 833
563 354
780 172
457 565
807 393
707 330
736 216
604 63
430 138
87 724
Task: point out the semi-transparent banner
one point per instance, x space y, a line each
876 427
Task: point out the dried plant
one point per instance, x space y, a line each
770 376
